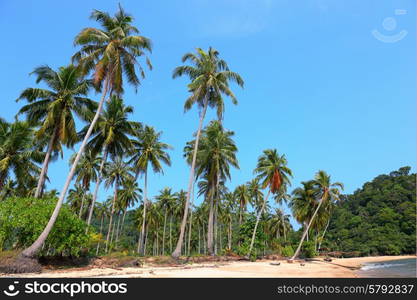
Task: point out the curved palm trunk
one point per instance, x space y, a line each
297 252
116 187
145 202
99 179
258 217
35 247
190 226
45 164
177 251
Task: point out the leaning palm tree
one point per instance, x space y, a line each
111 135
209 76
324 190
18 153
148 150
108 52
54 109
274 174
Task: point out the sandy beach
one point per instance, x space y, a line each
341 267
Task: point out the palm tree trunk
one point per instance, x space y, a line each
210 237
99 179
199 240
118 229
163 234
204 240
45 164
116 187
191 222
145 202
34 248
258 217
324 233
101 229
297 252
123 221
81 207
229 237
177 250
146 241
170 233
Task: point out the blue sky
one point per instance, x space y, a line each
319 86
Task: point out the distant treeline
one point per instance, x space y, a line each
378 219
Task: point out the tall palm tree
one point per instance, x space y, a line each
148 150
209 76
108 52
111 135
130 194
18 153
243 197
76 197
274 174
116 174
215 155
166 200
54 109
255 192
324 190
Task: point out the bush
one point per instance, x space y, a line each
23 219
287 251
308 250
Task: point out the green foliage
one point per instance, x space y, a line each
245 236
308 250
23 219
378 219
287 251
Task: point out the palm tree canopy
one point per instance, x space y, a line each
209 76
18 153
148 149
118 172
87 169
272 170
53 109
112 50
113 129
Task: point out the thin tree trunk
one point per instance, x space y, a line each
163 235
99 179
118 229
101 229
258 217
324 233
123 221
191 222
210 237
297 252
146 241
204 240
177 250
45 164
145 202
199 240
170 233
229 237
34 248
81 207
116 187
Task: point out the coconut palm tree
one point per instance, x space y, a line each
324 190
54 109
111 135
116 174
243 197
216 154
166 200
18 153
130 194
148 150
274 174
109 53
255 193
76 197
210 77
303 203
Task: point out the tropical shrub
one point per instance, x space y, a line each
23 219
287 251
